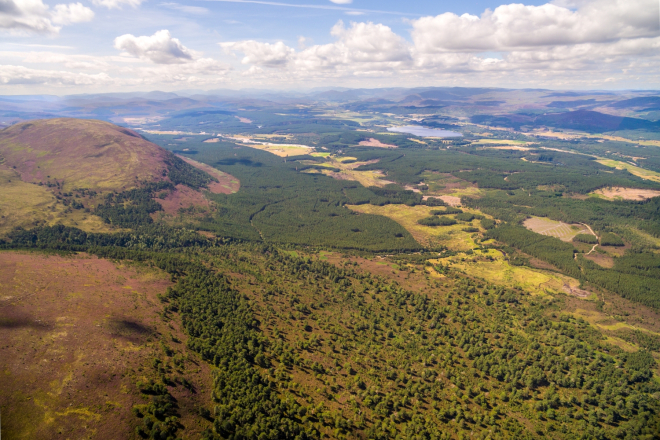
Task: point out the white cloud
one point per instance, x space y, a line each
519 26
195 10
117 4
360 46
261 54
160 48
342 2
13 75
72 13
33 16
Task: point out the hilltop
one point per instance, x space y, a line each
95 175
81 154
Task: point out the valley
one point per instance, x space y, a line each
309 274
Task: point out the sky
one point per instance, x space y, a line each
91 46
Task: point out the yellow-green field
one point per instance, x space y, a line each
637 171
347 171
451 236
26 204
499 271
281 150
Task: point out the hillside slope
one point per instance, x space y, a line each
81 154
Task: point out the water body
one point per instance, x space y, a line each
425 132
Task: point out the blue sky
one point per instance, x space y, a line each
91 45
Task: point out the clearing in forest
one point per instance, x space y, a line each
371 142
490 264
280 149
553 228
347 171
454 237
619 193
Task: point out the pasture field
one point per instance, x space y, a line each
618 193
632 169
407 216
77 335
553 228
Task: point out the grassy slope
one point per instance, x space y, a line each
80 154
26 204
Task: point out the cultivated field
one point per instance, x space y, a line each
618 193
77 333
560 230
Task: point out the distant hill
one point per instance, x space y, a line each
583 120
81 154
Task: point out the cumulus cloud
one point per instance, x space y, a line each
516 26
261 54
72 13
361 45
160 48
33 16
117 4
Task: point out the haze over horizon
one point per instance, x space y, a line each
127 45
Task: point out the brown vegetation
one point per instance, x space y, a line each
77 334
79 153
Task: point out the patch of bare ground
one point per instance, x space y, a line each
244 120
76 334
227 184
574 291
615 193
601 259
212 141
449 200
371 142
